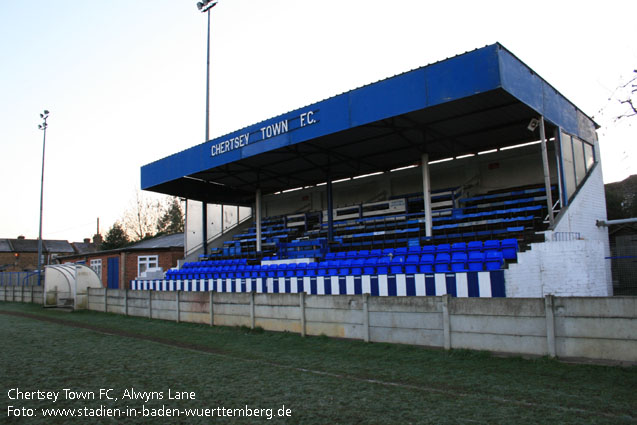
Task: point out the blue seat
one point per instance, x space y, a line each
443 248
357 266
474 246
281 270
291 270
270 270
311 269
363 253
370 265
241 270
493 260
401 251
412 259
476 261
509 248
247 271
333 266
352 254
341 255
388 251
459 247
383 265
414 249
491 245
345 267
322 268
441 264
396 264
411 263
426 263
301 268
428 249
330 256
459 262
256 271
263 271
376 253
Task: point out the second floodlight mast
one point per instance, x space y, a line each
44 116
205 6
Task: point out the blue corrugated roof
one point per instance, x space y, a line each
460 104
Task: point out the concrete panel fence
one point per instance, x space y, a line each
22 294
590 328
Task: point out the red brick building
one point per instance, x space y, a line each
21 254
118 267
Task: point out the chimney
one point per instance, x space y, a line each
87 240
21 238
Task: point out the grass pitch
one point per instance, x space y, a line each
281 377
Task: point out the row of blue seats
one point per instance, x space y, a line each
504 194
509 248
510 211
213 263
414 263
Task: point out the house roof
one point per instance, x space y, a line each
84 247
5 246
161 242
58 246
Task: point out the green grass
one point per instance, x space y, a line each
321 380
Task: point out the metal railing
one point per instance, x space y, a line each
19 278
217 235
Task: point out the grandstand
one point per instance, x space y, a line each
471 177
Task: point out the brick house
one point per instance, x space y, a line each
118 267
21 254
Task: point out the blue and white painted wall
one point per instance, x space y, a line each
489 284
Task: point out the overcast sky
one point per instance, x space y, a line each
125 80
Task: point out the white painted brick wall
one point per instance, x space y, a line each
574 267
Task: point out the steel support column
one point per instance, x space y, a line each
257 219
204 228
426 191
330 210
547 174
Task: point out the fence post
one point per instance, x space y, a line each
177 298
302 312
150 305
252 318
446 324
105 300
125 301
212 310
22 294
12 293
31 293
550 325
366 317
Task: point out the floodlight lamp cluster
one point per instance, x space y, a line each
44 115
206 5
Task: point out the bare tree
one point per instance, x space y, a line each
628 93
141 218
623 100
